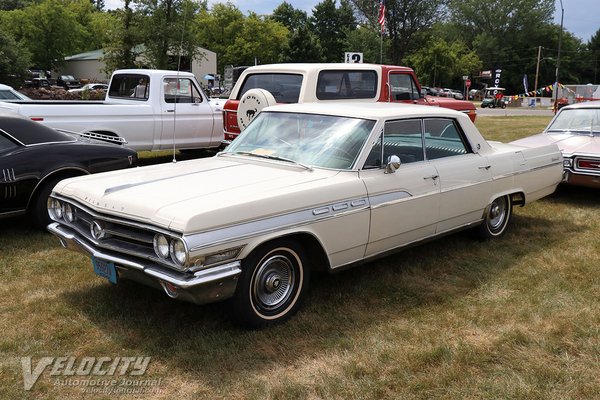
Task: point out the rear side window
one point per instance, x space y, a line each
284 87
346 84
132 86
403 87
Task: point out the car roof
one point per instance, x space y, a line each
29 132
366 110
585 104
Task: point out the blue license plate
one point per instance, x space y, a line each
105 269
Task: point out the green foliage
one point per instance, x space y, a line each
14 59
443 64
123 36
303 46
290 17
259 40
331 25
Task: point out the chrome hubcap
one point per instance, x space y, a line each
497 213
274 281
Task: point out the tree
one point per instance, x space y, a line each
290 17
302 46
121 47
406 23
443 64
259 40
331 25
49 30
217 29
168 31
14 59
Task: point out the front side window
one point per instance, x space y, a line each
284 87
402 138
181 90
403 87
343 84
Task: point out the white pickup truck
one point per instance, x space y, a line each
146 109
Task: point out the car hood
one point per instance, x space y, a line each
568 143
197 195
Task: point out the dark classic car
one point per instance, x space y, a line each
33 158
68 82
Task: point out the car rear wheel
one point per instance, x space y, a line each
496 219
272 284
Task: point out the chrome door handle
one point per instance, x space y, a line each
434 177
485 167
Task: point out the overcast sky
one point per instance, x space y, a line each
582 17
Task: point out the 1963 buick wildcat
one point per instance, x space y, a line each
305 186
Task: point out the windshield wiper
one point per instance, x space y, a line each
276 158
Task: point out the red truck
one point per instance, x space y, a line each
264 85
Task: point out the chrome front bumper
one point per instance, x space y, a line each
206 286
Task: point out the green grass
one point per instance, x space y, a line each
515 318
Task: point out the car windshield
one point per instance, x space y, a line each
307 139
578 120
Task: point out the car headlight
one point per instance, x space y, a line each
68 213
178 252
161 245
55 208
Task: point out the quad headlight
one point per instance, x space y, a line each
161 246
175 248
68 212
178 252
55 209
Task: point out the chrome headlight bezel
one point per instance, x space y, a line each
161 246
68 212
55 209
179 252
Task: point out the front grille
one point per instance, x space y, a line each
122 236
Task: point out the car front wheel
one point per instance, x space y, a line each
272 284
496 218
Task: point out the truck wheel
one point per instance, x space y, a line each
496 219
272 284
251 104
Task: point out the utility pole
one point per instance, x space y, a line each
537 72
562 14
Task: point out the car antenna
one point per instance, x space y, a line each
178 82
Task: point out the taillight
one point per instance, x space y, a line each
588 164
230 122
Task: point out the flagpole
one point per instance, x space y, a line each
381 47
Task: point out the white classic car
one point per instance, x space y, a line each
305 186
576 130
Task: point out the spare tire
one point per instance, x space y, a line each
251 104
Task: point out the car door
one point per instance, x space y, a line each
187 118
404 203
464 176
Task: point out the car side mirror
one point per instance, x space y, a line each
393 163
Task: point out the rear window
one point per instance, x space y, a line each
346 84
8 95
132 86
30 132
284 87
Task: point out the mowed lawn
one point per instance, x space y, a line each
515 318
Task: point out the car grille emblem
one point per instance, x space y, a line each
97 230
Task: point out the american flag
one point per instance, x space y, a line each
381 17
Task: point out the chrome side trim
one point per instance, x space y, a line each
387 199
202 240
